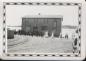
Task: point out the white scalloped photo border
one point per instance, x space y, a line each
43 3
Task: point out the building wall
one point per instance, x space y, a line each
10 34
42 25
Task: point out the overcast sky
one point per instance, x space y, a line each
14 13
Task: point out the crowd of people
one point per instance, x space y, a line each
36 33
46 34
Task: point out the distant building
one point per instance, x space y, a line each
10 34
51 24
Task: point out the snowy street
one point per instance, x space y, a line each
29 44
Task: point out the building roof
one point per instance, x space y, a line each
43 16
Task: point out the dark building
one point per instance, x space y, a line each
39 23
10 34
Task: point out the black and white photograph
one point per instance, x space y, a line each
43 29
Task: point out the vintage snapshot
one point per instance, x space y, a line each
42 29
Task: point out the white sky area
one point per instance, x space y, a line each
14 13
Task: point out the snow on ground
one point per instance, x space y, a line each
29 44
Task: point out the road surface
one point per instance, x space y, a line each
29 44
